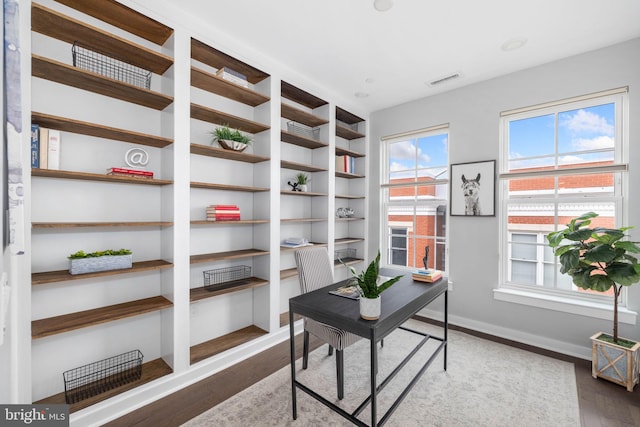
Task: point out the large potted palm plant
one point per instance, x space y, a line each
599 259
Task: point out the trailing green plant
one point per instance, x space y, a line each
597 258
303 178
368 279
108 252
224 132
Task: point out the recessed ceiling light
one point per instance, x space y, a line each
513 44
361 94
383 5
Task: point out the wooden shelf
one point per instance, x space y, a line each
212 186
347 133
348 175
197 294
205 150
301 141
54 24
121 16
219 118
50 225
297 115
294 94
287 249
284 164
100 131
349 219
238 222
83 319
289 272
214 84
347 196
226 342
347 117
81 79
347 261
303 219
221 256
86 176
301 193
64 275
151 371
216 59
345 152
348 240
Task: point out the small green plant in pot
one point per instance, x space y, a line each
302 180
369 288
599 259
110 259
231 139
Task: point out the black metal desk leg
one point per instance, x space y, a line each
293 365
446 326
374 371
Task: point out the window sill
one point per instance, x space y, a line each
566 305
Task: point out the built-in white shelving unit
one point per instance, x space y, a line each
81 319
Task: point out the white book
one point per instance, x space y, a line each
44 147
54 150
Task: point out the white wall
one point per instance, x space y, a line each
473 115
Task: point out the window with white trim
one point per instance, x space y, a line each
558 161
415 197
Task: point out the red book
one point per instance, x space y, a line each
130 171
224 218
224 207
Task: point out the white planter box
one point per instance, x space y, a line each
103 263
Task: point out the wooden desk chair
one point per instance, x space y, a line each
314 271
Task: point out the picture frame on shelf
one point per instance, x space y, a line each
472 188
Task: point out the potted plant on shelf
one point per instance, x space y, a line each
302 180
370 288
82 263
598 259
230 139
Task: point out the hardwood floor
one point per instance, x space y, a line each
602 404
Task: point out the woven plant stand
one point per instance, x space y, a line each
615 363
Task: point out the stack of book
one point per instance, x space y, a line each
233 76
345 164
45 147
223 213
428 276
131 173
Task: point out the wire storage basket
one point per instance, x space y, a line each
98 377
345 255
226 277
304 130
113 68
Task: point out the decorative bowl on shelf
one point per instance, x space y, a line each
227 144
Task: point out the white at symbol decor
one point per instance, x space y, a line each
136 158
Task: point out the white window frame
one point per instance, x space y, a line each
426 204
592 305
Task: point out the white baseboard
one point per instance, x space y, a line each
513 334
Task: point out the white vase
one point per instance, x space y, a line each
370 308
303 187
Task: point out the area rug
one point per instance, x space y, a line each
485 384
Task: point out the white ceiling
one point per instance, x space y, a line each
347 46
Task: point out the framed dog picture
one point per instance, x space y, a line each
473 189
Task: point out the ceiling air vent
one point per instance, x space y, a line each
444 79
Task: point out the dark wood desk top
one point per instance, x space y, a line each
401 301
